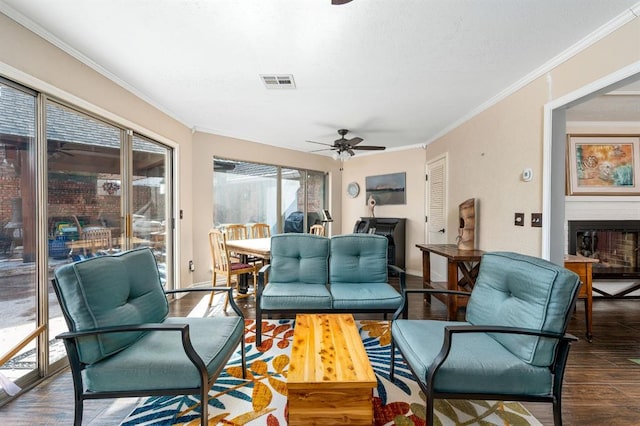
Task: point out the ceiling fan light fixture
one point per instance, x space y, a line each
344 156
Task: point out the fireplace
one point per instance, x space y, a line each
614 242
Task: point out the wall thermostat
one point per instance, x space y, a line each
527 175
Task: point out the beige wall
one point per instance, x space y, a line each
207 146
488 153
411 161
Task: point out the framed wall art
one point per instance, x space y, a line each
386 189
603 165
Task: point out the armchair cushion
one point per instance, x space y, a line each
505 294
158 361
490 369
111 290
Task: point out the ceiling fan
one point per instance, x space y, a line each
345 148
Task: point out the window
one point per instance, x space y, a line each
249 192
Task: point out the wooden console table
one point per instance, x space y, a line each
583 266
465 261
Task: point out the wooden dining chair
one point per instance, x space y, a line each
223 265
236 231
260 230
317 230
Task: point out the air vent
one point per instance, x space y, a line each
282 81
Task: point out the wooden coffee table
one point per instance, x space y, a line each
330 379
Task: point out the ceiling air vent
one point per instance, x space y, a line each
282 81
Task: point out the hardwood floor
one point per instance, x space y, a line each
601 386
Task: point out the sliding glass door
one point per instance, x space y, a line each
72 186
288 199
19 325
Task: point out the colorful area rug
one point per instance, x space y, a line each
261 398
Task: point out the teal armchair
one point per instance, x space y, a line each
513 345
121 342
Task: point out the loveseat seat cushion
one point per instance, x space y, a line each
299 258
358 258
157 360
367 296
476 363
112 290
303 296
506 279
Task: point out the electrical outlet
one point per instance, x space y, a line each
536 220
519 219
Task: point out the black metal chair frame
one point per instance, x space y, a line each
556 368
206 381
261 284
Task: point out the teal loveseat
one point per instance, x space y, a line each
513 345
120 341
315 274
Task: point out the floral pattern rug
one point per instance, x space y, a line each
261 398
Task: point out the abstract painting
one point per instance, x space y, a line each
603 165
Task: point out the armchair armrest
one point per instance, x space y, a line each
450 330
229 290
262 280
406 291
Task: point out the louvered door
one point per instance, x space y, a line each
436 211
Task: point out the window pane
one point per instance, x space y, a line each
84 192
315 196
18 298
293 201
245 193
151 199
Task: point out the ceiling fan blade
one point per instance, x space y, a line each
354 141
338 2
323 149
370 148
350 151
320 143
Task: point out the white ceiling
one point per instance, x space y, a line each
395 72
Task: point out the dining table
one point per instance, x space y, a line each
250 247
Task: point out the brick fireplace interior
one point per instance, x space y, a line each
613 242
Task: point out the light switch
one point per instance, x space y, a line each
536 220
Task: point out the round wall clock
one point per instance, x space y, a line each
353 189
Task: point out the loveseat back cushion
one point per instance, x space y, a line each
299 258
358 258
103 291
515 290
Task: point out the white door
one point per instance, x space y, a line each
436 212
